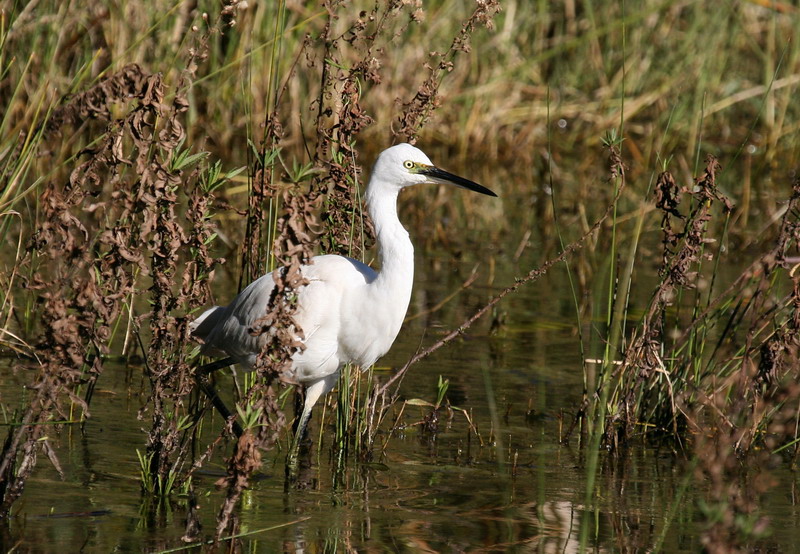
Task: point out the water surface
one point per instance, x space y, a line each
515 485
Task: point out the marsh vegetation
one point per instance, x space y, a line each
606 359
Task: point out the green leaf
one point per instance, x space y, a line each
419 402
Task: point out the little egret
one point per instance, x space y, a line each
349 313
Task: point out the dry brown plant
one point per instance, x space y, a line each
114 224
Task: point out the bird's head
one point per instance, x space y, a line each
404 165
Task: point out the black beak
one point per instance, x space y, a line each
441 176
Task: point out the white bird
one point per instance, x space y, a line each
349 313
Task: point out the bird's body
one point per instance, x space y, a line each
348 312
338 288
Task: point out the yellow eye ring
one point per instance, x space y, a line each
408 164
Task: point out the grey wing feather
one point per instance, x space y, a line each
204 324
225 330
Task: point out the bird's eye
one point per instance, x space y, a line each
408 164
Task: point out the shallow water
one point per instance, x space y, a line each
513 486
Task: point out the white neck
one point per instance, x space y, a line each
395 251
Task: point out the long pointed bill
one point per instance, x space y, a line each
437 175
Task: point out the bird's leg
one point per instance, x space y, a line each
292 465
201 375
211 367
313 393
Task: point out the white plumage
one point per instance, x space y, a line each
348 312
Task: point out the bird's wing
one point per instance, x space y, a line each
319 313
332 280
231 334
